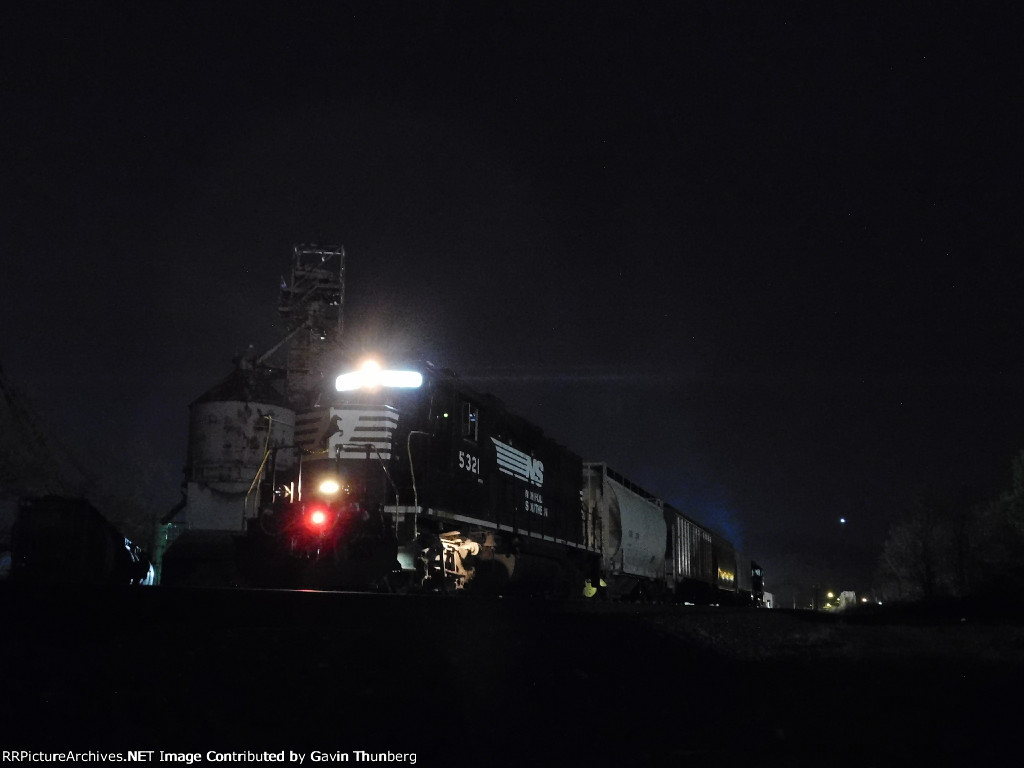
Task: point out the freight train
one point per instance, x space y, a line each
409 479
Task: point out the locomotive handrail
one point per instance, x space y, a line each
412 473
266 455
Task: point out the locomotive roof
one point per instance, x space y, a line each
519 422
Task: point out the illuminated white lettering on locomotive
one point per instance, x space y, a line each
469 462
519 465
351 430
535 503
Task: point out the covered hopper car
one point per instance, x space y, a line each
649 549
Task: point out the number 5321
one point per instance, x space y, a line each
469 462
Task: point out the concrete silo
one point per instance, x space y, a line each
235 429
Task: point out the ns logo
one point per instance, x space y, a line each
536 472
520 465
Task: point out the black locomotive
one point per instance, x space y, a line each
437 481
410 479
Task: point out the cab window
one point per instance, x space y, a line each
470 421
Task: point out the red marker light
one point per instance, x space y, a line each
317 519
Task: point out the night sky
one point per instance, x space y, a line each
762 258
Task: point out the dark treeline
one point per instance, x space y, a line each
949 546
34 461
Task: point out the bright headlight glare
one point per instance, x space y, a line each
372 377
409 379
348 381
329 487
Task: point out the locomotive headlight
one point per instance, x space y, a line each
402 379
329 486
371 376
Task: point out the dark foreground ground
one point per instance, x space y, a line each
472 682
